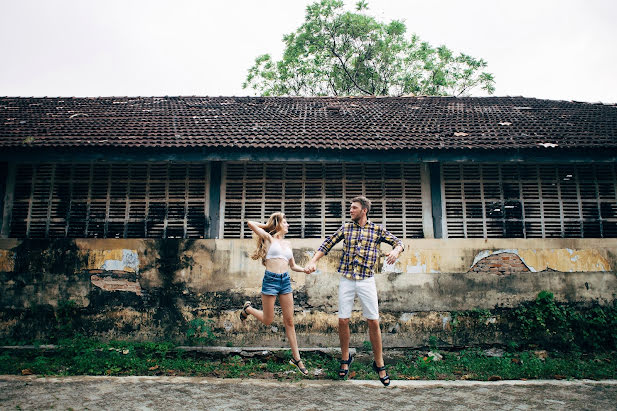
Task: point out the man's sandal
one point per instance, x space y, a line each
382 379
243 314
303 370
342 373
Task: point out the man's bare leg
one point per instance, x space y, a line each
374 333
344 337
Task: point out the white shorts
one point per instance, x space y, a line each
367 293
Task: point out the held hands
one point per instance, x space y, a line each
310 268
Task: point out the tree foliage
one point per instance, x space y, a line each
338 52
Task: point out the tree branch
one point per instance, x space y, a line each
332 86
333 50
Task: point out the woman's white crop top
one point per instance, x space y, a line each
276 250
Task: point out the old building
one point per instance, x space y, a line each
496 198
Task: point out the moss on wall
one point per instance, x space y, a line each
154 289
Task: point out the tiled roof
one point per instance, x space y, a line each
388 123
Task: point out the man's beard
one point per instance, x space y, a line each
355 220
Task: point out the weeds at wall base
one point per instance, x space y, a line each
580 342
83 356
565 327
543 322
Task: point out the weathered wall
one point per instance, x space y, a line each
151 289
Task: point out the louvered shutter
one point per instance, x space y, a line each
529 200
117 200
315 196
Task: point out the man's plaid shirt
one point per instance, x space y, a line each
360 248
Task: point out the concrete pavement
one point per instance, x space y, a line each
194 393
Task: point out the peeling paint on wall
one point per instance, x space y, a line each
114 260
143 288
487 253
423 261
564 260
500 264
109 283
7 261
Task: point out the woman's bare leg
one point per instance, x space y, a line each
287 305
267 315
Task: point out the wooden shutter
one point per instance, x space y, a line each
114 200
529 200
315 196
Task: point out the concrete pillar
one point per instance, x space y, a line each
9 189
427 217
214 210
436 200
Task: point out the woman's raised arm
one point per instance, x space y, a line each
258 229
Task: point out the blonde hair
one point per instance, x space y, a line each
271 227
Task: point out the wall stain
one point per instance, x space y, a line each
39 256
177 283
165 299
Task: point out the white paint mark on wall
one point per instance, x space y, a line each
445 321
130 259
390 268
406 317
416 269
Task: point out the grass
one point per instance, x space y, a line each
82 356
475 365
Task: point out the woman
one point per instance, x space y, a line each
276 255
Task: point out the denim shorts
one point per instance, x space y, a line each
275 284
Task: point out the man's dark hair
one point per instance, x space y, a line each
365 202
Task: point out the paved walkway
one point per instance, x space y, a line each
189 393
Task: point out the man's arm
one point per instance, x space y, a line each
388 237
312 265
324 249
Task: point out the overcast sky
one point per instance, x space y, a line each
555 49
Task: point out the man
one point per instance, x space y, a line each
361 239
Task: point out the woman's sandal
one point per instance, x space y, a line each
382 379
342 373
243 314
303 370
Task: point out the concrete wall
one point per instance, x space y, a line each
152 289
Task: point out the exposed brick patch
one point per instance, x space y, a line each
500 264
113 283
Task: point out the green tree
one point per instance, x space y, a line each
338 52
